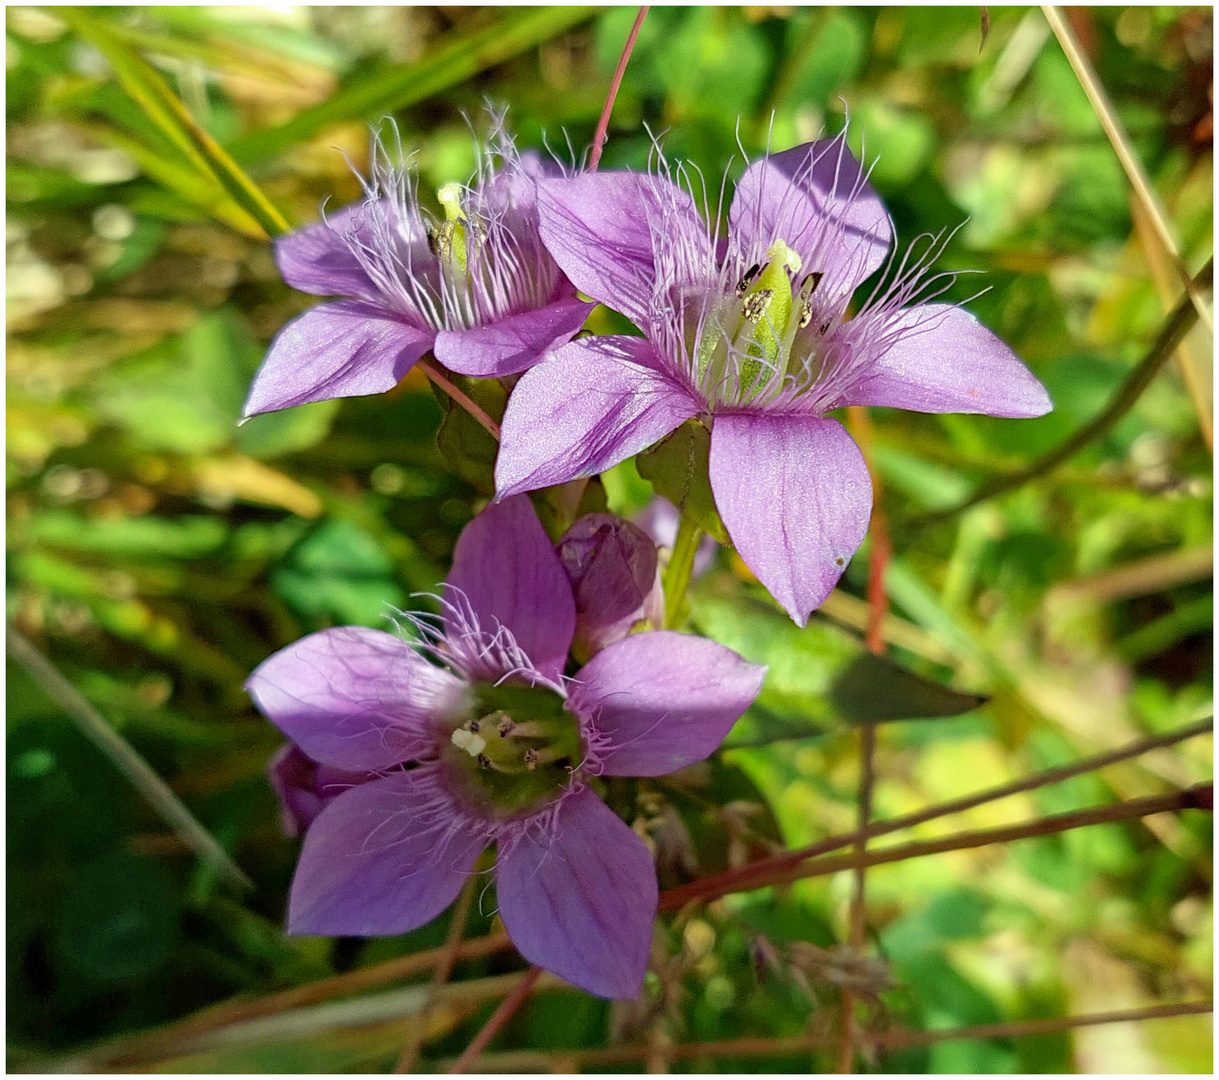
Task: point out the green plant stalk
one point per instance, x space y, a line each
681 565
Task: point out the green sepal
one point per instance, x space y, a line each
678 468
558 508
462 441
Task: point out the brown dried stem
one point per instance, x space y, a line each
444 968
498 1019
537 1061
715 885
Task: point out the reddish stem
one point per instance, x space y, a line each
433 372
498 1019
603 124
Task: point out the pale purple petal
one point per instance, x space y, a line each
607 230
506 573
354 698
612 566
344 349
817 199
794 493
303 788
943 360
661 701
580 900
593 403
318 259
383 858
512 344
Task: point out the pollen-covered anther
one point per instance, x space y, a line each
742 286
531 759
505 727
755 305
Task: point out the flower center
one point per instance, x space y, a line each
514 750
745 351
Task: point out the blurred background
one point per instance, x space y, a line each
157 552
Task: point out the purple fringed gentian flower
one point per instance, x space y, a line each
749 333
493 744
478 288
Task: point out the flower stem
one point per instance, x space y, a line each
603 124
681 564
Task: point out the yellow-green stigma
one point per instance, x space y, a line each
450 238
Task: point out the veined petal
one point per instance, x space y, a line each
383 858
662 701
580 900
606 231
317 259
506 573
354 698
794 494
592 404
943 360
344 349
817 200
512 344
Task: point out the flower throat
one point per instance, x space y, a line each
515 749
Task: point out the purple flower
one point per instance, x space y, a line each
749 333
303 787
479 289
614 575
493 744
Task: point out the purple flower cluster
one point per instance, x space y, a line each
406 762
411 753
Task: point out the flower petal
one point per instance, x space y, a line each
344 349
662 701
512 344
506 573
318 259
382 858
592 404
580 900
354 698
795 496
607 230
943 360
817 200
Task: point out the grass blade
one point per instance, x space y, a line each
451 63
151 92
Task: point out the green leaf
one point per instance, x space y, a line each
466 54
873 689
678 468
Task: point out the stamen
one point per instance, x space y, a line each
742 286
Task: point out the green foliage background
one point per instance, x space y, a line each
157 552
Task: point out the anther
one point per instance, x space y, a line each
472 726
484 762
806 313
742 286
531 759
506 726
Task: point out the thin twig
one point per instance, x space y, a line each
498 1019
867 779
160 1041
433 372
1174 329
720 884
603 124
457 926
159 795
1135 172
1199 797
762 1046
